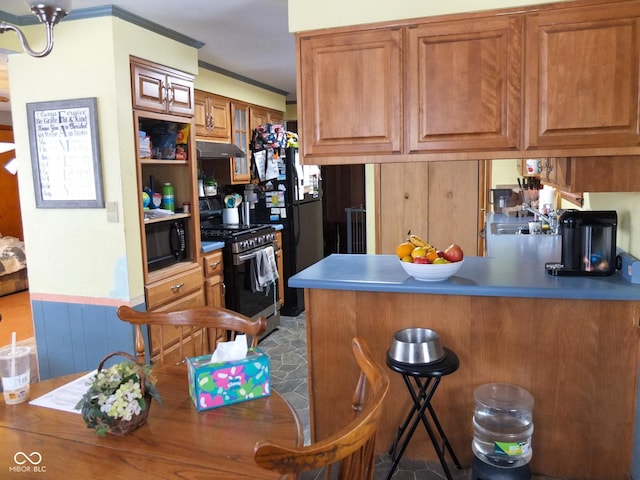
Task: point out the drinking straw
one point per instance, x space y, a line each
13 354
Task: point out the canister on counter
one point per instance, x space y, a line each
168 201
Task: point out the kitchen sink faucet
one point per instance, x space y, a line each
550 218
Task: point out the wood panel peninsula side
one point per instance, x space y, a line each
572 342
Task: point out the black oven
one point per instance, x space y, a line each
166 243
243 246
242 290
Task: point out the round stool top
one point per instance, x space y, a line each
449 363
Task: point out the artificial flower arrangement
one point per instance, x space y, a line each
119 397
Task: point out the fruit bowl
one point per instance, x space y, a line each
430 272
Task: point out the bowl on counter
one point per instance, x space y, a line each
430 272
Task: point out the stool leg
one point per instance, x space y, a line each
422 408
416 406
443 435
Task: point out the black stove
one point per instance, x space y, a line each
240 238
243 244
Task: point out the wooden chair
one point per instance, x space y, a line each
197 329
350 451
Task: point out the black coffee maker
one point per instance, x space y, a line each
588 243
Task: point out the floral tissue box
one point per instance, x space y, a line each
213 385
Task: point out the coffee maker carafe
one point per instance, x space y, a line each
588 243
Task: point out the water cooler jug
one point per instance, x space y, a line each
502 426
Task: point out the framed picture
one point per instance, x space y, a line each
65 153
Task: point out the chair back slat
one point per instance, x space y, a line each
352 448
211 324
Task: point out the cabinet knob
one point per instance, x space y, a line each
176 288
214 265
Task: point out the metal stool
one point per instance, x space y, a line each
426 377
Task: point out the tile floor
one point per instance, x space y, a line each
287 349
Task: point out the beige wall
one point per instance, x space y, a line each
311 14
76 252
227 87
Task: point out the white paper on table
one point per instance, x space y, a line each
66 396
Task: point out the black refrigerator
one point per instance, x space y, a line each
293 199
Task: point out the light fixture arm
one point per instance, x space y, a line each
50 16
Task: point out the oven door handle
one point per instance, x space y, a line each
243 257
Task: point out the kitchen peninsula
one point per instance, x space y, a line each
572 342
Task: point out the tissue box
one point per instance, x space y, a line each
213 385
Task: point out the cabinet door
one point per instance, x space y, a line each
350 93
240 130
180 95
149 89
214 291
241 135
212 117
202 115
161 89
582 69
220 109
276 118
464 84
436 200
259 116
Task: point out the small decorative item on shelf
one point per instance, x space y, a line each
119 398
210 187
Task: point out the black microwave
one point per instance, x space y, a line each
166 244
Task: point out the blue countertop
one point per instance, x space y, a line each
206 247
478 276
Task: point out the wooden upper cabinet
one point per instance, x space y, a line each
581 84
258 116
161 89
464 84
212 117
261 116
350 92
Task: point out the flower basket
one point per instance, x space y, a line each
119 398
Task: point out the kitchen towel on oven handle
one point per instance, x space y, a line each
266 266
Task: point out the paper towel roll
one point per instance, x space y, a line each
546 199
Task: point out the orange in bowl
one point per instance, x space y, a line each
404 249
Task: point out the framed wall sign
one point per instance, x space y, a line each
65 153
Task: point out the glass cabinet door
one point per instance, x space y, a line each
242 138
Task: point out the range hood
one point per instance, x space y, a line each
212 150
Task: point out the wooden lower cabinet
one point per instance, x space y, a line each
214 279
577 358
175 293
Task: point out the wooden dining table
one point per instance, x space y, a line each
177 441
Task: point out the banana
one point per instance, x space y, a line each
418 242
